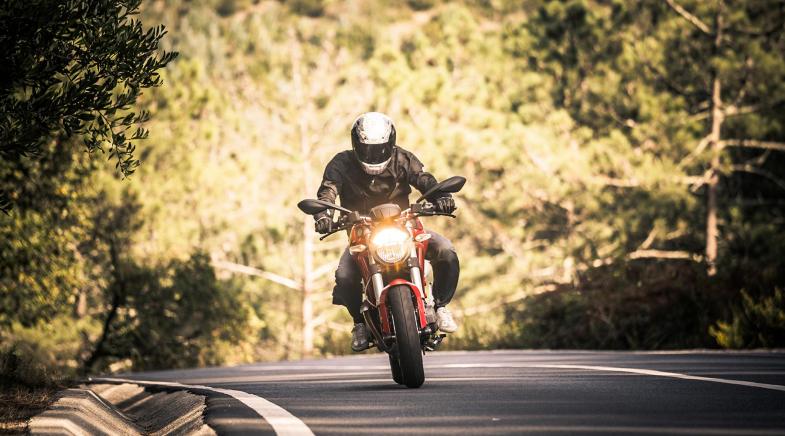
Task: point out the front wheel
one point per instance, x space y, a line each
407 336
395 368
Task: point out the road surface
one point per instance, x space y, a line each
500 392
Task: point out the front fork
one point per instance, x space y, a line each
414 272
416 277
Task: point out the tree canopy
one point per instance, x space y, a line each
74 68
623 158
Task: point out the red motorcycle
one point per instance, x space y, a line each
389 246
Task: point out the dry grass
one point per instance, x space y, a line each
19 404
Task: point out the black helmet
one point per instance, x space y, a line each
373 140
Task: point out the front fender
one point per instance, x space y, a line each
384 313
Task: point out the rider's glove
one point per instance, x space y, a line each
324 223
445 205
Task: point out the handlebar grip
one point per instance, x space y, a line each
334 232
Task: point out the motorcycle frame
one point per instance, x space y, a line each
360 234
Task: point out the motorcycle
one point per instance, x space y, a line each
389 246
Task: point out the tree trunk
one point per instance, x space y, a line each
717 118
307 285
712 233
118 297
80 308
308 243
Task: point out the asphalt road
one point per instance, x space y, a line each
509 392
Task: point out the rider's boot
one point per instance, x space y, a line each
444 320
359 337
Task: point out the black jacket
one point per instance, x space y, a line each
358 191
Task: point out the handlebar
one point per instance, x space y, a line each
426 209
332 232
437 214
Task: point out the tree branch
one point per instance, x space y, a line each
664 254
745 82
474 310
778 26
746 168
695 21
323 317
701 180
251 271
322 270
733 110
332 245
604 180
119 291
663 77
649 240
698 150
753 143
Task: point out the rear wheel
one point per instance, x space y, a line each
407 337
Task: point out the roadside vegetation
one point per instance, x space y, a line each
625 163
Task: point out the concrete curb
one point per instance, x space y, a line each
126 409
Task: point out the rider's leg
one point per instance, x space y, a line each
446 268
347 291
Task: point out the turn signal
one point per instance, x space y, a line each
422 237
359 248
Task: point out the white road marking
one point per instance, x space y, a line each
280 377
388 380
282 422
650 372
286 424
308 367
626 429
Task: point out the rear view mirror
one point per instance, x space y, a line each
312 207
453 184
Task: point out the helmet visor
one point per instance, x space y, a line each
374 153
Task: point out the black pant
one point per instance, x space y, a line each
444 261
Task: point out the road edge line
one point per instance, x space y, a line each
650 372
677 375
280 419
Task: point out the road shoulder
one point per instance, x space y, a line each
102 408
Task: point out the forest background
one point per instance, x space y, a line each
625 163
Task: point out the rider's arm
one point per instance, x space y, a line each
418 177
331 181
330 186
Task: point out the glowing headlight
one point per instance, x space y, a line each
391 245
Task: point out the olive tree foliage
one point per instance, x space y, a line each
74 68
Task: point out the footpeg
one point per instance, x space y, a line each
433 342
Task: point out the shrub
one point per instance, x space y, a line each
421 5
45 354
638 305
309 8
756 322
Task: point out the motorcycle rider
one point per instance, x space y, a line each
374 172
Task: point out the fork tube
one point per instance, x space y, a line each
414 270
376 280
417 280
378 285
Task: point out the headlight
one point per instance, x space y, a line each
391 245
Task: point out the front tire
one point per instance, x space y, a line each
395 368
407 336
